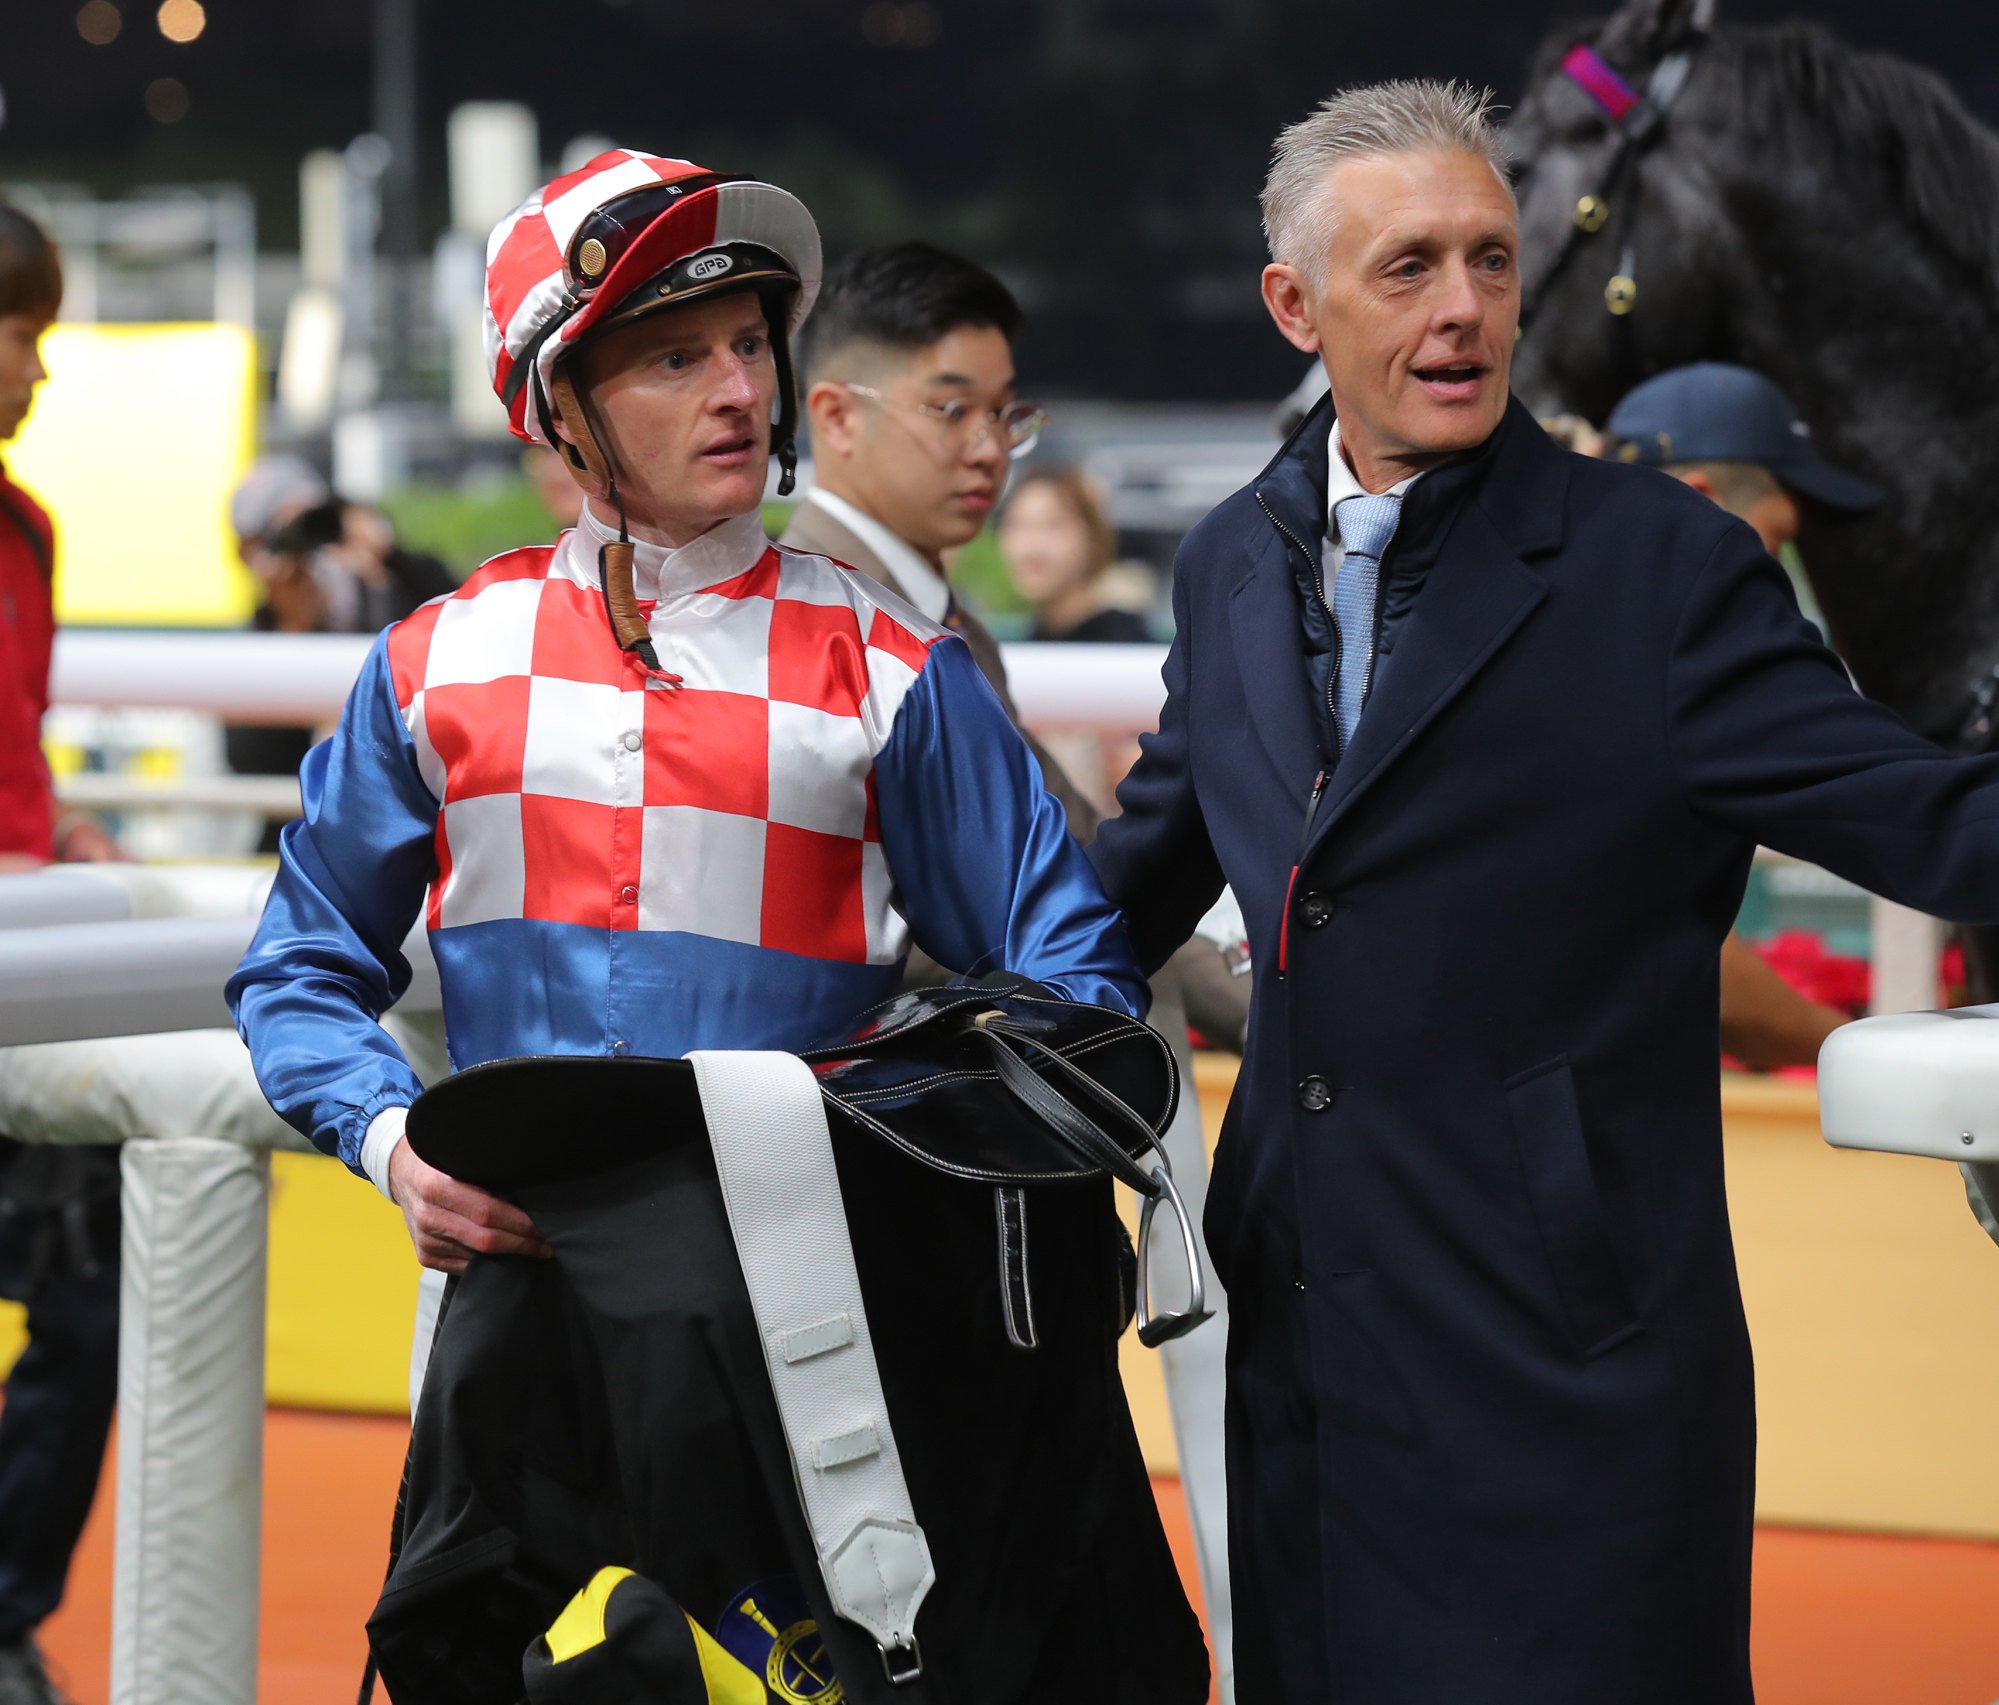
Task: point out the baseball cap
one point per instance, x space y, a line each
1713 412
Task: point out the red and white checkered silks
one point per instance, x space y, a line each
739 806
525 282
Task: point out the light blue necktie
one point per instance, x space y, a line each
1366 525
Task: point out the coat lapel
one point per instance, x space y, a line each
1477 594
1270 661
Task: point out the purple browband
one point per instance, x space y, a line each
1591 73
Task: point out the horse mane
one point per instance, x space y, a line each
1809 92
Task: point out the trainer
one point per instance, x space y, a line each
1483 735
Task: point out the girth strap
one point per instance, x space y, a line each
774 1156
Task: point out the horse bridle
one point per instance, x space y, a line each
1636 122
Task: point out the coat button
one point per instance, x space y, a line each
1314 909
633 740
1315 1095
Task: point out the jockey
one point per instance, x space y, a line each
662 785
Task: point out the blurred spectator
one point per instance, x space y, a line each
554 484
323 565
1573 432
58 1206
1736 438
1058 541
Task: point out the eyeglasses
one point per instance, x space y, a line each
1017 427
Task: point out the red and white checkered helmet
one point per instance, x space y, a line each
570 257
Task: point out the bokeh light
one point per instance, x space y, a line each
182 20
166 100
98 22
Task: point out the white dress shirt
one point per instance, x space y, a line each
918 582
1341 484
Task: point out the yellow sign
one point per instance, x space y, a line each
134 444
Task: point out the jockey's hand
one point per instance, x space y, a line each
450 1221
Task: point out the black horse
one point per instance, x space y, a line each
1829 218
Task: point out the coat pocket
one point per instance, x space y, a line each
1554 1158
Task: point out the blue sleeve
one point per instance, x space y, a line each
1155 857
980 852
327 960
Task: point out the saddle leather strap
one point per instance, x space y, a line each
1090 1143
1077 1130
774 1155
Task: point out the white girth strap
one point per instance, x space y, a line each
767 1125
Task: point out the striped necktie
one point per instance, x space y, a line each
1366 524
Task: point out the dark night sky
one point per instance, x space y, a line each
1105 154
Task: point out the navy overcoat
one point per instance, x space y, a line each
1491 1423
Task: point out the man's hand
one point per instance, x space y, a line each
450 1222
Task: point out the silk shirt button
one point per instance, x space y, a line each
1315 1095
633 740
629 895
621 1047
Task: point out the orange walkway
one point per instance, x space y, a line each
1841 1619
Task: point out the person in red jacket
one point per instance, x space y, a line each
31 832
59 1396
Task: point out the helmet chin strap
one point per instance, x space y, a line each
585 449
614 560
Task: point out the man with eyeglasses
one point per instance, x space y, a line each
910 392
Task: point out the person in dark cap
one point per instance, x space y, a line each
1735 437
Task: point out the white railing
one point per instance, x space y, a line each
89 953
303 678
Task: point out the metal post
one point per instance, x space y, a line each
190 1423
1905 946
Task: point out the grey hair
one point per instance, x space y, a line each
1407 116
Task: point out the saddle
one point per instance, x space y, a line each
974 1131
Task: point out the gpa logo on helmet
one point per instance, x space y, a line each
709 266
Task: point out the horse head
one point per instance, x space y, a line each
1772 197
1615 218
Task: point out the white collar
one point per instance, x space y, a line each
1342 483
918 582
727 549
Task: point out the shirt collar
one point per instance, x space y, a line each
1342 484
727 549
911 575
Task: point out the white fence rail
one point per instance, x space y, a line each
302 679
93 952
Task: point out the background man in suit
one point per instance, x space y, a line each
1483 735
910 391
